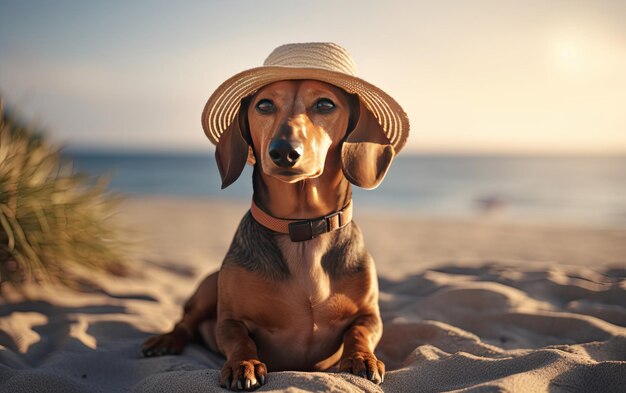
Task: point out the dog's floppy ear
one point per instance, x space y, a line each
231 152
366 152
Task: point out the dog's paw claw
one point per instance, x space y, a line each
365 365
243 375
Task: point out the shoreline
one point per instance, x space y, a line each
370 210
413 242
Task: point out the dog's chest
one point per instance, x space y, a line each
318 308
306 273
314 311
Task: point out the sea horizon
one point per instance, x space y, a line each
586 190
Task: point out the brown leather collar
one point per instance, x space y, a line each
307 229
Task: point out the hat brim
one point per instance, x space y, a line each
223 105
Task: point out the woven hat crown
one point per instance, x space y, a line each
320 55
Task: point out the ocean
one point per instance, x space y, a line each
589 191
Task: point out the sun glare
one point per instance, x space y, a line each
568 55
568 59
583 54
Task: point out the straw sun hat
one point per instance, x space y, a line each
326 62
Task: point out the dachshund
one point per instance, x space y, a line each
307 298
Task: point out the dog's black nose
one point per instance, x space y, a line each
284 153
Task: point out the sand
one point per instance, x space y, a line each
471 304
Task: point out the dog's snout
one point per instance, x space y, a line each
285 153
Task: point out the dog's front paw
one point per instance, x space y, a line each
243 374
363 364
171 343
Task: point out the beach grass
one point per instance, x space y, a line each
51 219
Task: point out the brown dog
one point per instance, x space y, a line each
304 298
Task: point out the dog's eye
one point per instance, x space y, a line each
265 106
324 105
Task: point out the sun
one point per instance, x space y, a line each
568 55
568 59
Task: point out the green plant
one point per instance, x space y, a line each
53 222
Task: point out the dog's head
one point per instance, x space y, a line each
289 128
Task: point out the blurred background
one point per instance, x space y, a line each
516 109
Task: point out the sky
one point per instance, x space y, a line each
537 77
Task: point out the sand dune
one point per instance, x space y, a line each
488 306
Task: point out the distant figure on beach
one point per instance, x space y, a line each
490 204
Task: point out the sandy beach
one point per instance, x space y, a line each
475 304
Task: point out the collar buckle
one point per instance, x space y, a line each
334 220
300 231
